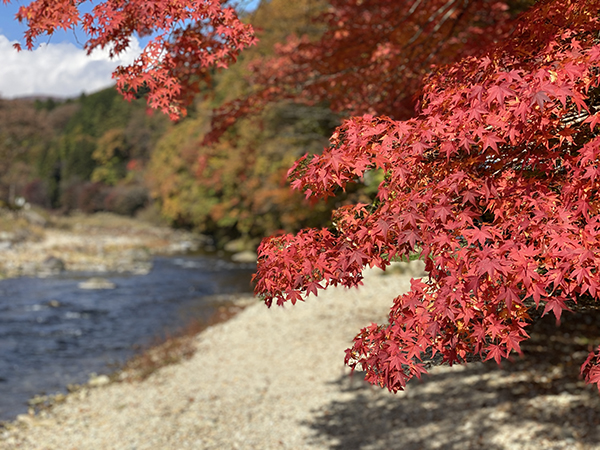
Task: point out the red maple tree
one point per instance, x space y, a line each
493 181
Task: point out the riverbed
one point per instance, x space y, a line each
53 333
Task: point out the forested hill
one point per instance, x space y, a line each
99 152
77 154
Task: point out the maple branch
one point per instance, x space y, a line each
429 20
578 117
455 23
438 360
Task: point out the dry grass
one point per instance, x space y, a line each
100 220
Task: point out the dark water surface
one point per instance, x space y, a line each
52 333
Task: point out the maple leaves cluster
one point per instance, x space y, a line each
494 183
368 57
189 42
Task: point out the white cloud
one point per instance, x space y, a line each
61 70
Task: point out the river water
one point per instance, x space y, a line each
52 333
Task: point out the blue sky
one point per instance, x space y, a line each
58 66
8 26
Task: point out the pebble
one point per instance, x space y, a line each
98 380
97 283
244 257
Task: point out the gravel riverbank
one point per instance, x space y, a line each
274 379
32 245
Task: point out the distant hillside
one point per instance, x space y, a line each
74 153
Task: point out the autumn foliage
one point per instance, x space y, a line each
493 180
494 183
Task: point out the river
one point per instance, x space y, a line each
52 333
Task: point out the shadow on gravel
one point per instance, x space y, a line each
537 401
